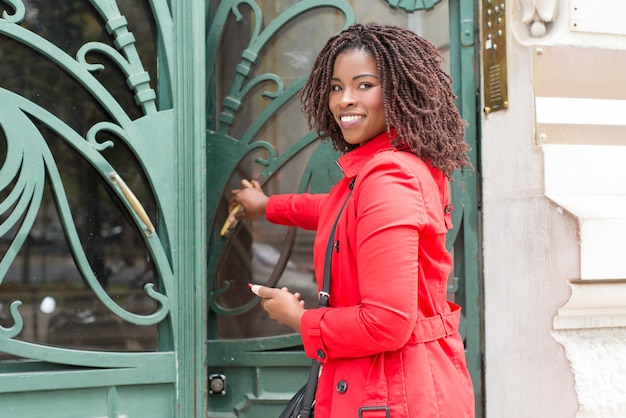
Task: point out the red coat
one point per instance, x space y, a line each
390 338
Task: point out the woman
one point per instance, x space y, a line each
389 339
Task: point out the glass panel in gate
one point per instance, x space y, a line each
83 242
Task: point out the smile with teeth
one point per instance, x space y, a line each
350 118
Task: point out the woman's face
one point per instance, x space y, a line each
356 96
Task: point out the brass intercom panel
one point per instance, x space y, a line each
493 35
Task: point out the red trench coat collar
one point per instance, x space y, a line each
352 162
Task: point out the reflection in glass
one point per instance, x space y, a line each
58 307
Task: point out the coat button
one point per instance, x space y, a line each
342 386
448 209
320 353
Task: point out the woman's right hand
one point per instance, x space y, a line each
282 306
251 198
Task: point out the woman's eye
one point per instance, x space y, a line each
335 88
365 85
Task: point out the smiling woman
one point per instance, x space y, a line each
356 97
379 94
417 94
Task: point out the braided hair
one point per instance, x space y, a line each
417 94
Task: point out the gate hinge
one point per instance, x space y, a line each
467 32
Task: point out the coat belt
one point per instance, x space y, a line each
438 326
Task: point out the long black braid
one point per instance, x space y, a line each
417 93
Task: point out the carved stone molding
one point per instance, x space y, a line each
537 14
597 360
593 304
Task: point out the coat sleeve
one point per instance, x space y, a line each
301 210
393 205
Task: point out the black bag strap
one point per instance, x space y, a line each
324 298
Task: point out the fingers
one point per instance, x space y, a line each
250 184
264 291
269 292
251 198
246 184
236 202
236 210
257 289
282 306
236 213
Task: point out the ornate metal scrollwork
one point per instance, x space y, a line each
237 149
413 5
30 165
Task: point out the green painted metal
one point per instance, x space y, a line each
28 156
190 181
464 239
226 152
189 153
128 400
262 373
63 381
413 5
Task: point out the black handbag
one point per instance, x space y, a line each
302 404
295 407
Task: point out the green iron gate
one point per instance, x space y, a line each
255 131
122 127
98 221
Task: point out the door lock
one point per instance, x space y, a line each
217 385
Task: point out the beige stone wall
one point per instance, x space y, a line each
553 226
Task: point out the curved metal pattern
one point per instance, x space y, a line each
413 5
124 55
18 322
232 151
29 164
318 177
18 125
237 136
81 71
19 11
258 41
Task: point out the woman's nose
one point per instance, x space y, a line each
347 98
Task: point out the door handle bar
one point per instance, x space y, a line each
134 202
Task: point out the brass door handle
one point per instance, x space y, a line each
228 225
134 202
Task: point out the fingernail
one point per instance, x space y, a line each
255 289
250 285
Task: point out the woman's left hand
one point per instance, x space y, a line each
282 306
